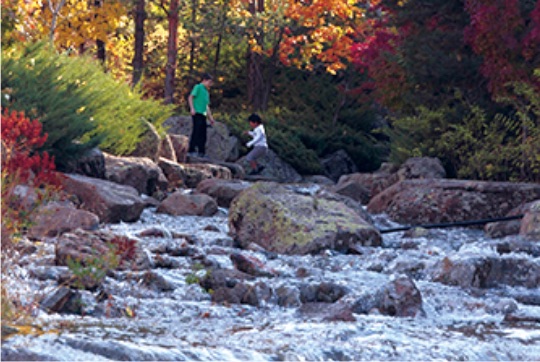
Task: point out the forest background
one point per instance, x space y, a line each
383 79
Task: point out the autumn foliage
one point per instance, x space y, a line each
408 50
21 137
23 165
508 43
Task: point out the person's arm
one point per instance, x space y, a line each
191 107
209 115
257 135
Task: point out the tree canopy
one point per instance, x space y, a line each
399 71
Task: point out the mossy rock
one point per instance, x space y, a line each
282 221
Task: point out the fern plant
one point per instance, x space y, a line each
472 143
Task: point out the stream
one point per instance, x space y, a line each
180 322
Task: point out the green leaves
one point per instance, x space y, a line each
472 143
79 105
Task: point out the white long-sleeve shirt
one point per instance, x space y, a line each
259 137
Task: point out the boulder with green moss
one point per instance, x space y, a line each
285 222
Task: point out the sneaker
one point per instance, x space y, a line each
202 155
256 171
193 154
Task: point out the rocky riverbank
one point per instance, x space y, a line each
169 260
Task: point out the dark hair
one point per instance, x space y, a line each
254 117
206 76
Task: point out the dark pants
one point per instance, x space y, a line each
198 134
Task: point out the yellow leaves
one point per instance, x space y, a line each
75 23
24 330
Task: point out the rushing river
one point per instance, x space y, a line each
181 323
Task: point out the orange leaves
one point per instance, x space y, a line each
320 32
313 12
310 31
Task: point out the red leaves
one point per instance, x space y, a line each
124 247
374 56
503 34
531 42
22 165
497 32
21 137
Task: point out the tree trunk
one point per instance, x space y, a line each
343 100
257 87
138 62
172 50
101 52
100 44
255 81
193 43
220 36
55 12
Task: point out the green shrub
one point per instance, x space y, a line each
301 140
78 104
472 143
310 117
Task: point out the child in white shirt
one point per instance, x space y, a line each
260 146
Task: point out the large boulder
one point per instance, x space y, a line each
219 144
402 298
530 225
421 167
174 172
55 218
467 269
389 174
350 202
374 182
223 191
191 174
179 203
110 201
442 200
352 189
504 228
398 296
274 168
197 172
139 172
99 252
282 221
236 170
91 164
337 164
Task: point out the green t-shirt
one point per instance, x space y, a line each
201 98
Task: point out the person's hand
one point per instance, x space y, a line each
212 121
246 132
192 112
